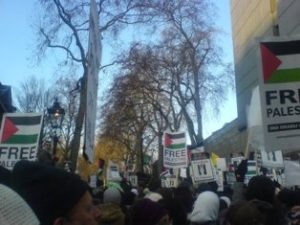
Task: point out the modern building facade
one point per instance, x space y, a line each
251 19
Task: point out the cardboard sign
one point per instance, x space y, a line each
202 170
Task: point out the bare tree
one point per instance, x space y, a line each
126 115
192 54
63 25
33 95
69 100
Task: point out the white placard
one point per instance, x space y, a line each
183 172
93 181
220 180
175 151
113 172
272 159
292 173
171 182
133 180
19 137
279 84
221 164
202 170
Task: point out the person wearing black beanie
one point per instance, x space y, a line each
56 196
262 188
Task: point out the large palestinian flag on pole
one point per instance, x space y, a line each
279 88
19 137
175 151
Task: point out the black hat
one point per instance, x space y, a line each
49 191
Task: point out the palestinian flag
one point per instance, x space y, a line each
174 140
251 168
280 61
20 128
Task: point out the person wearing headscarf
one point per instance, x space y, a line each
206 209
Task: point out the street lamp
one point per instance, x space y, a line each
55 115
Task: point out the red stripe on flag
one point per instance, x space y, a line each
9 129
270 62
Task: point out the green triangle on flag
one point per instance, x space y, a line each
270 62
9 129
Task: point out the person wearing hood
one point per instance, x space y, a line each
206 209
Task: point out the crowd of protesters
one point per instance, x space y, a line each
35 193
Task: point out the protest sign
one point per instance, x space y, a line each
292 173
202 170
19 137
279 81
175 151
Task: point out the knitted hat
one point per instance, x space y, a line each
14 210
50 192
147 212
112 195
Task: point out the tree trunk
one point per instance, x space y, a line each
139 152
75 144
160 153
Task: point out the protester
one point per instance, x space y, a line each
261 188
147 212
111 212
181 205
206 209
56 196
254 212
14 210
